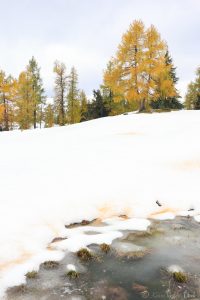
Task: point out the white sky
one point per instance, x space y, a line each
86 33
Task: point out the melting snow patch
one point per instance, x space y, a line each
78 237
164 216
71 267
174 269
197 218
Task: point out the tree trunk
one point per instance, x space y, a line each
35 119
62 109
6 123
142 105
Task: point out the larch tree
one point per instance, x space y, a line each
11 96
7 85
115 102
73 103
24 105
139 67
3 102
60 92
125 78
49 116
38 98
30 97
83 105
154 69
192 98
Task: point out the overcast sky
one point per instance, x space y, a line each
86 33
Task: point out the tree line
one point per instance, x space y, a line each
140 76
192 99
23 103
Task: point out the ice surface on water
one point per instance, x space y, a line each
126 247
112 271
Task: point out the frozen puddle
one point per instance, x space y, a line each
141 262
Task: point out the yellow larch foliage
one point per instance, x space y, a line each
138 72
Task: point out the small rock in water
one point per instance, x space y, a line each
139 288
116 293
130 250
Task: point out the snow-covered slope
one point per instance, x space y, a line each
97 169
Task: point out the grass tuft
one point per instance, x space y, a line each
50 264
72 274
31 275
105 247
84 254
180 277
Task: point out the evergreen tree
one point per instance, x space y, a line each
60 92
99 104
107 95
73 103
192 98
97 108
169 102
172 70
91 110
107 92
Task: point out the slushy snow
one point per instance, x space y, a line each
98 169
